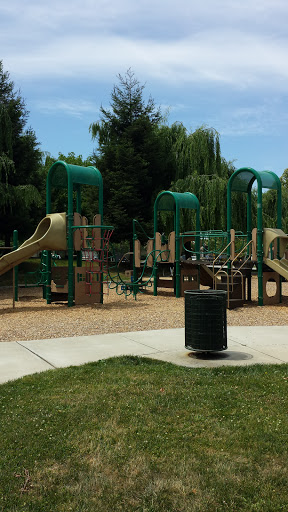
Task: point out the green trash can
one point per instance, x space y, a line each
205 320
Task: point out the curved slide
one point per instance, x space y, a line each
50 234
270 236
280 266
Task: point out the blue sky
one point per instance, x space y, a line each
221 63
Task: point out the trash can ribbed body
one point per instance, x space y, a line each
205 320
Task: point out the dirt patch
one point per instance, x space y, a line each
32 318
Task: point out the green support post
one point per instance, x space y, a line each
249 238
155 272
44 262
260 245
279 226
102 263
134 239
78 210
47 256
15 270
177 253
154 249
48 279
249 218
70 244
197 237
229 220
100 207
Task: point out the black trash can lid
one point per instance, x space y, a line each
205 292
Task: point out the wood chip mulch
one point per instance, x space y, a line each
33 319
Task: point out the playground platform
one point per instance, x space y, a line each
246 345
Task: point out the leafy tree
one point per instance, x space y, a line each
270 205
139 155
128 155
200 169
284 179
198 152
20 163
59 196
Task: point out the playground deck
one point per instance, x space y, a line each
34 319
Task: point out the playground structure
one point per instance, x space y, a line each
83 283
88 280
220 260
215 259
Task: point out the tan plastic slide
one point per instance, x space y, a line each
50 234
280 266
270 236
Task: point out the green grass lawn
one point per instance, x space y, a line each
132 434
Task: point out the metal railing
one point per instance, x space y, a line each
230 277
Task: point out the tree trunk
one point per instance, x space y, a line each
7 239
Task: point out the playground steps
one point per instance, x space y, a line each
206 276
236 299
235 303
165 282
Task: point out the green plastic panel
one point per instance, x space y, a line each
167 201
58 175
242 180
270 180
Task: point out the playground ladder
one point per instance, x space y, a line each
96 252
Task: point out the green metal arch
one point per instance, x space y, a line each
61 172
174 201
242 180
270 180
71 177
169 200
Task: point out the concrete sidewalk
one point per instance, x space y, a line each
246 345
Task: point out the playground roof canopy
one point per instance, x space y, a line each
242 180
61 173
168 201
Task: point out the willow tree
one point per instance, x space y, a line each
200 169
198 152
270 205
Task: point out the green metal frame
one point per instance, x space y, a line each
242 180
70 177
15 269
136 224
174 201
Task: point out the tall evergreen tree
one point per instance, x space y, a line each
20 163
128 155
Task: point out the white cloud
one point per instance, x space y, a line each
266 118
74 108
241 43
228 45
231 58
